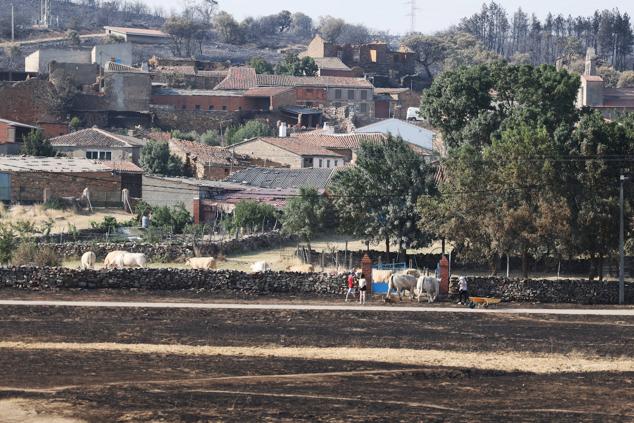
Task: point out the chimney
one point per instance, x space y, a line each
591 62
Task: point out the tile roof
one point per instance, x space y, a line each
94 137
239 78
298 146
338 141
243 78
282 178
390 90
51 164
330 63
118 67
137 31
205 153
165 91
121 166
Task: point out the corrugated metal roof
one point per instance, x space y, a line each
399 128
282 178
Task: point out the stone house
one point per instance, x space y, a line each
310 91
207 162
39 60
394 102
290 151
26 179
11 135
593 93
333 66
377 60
120 53
33 102
97 144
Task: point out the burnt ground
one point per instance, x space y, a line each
112 385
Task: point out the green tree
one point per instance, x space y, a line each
305 215
156 159
251 129
261 66
376 199
75 123
253 215
176 218
293 65
35 144
8 243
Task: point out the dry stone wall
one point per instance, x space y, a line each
47 278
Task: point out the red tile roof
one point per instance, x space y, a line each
239 78
338 141
94 137
121 166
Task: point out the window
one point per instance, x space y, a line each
356 55
363 107
336 163
321 164
224 107
99 155
364 94
198 107
183 107
338 94
350 94
211 107
373 55
328 163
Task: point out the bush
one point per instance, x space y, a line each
8 242
210 138
109 224
187 136
176 218
56 203
31 254
75 123
251 129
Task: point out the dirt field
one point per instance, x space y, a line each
70 365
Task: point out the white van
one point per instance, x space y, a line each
413 113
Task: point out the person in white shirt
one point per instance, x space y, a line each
463 290
363 287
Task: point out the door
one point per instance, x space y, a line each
5 187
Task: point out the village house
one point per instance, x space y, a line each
137 35
206 161
33 102
39 61
11 135
394 102
379 63
289 151
97 144
593 93
346 145
28 180
310 91
333 66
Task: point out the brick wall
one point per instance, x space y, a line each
29 187
32 102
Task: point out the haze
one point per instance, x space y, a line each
391 15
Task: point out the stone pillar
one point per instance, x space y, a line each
366 269
46 194
196 207
444 276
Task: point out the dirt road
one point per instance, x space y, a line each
71 363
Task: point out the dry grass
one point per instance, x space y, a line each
32 411
38 215
505 361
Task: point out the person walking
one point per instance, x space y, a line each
351 281
363 287
463 290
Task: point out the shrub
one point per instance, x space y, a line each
24 227
187 136
210 138
109 224
176 218
8 242
251 129
56 203
75 123
31 254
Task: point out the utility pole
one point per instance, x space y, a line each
12 23
413 9
621 245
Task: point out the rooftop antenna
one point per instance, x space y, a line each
413 11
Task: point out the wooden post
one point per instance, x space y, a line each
444 276
337 260
366 268
322 261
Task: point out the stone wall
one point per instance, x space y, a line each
198 120
546 291
44 278
175 251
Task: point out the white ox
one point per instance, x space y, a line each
401 282
121 259
88 260
201 262
430 285
260 266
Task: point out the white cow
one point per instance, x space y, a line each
201 262
401 282
113 258
121 259
260 266
430 285
88 260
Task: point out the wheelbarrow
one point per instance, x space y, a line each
484 301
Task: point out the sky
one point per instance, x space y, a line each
390 15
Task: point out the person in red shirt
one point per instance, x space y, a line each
351 282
